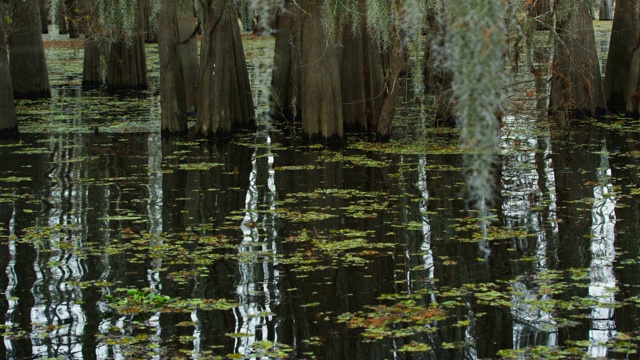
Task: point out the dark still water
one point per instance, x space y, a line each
118 244
131 246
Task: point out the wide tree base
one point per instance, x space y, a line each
354 128
224 135
381 138
9 133
32 95
597 113
280 116
334 141
633 114
120 88
169 134
90 85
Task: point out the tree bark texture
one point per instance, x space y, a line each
363 77
633 91
606 10
44 15
188 51
438 77
28 64
576 83
285 84
61 17
541 12
150 31
320 85
95 47
381 126
127 64
624 36
8 120
225 103
172 87
440 85
73 18
94 51
67 18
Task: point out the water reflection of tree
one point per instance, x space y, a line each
341 287
24 277
128 268
174 229
258 287
212 197
459 263
575 163
94 268
65 216
625 175
603 254
19 257
6 213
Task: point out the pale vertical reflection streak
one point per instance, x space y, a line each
602 279
57 305
422 263
103 349
154 215
427 252
521 194
154 185
155 227
12 279
256 289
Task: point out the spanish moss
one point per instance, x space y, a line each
476 46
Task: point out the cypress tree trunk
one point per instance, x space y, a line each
606 10
172 89
44 15
127 67
362 77
633 99
28 65
8 120
437 75
624 33
440 83
73 18
188 50
127 64
321 95
370 80
67 18
94 51
95 48
61 17
225 104
381 126
285 97
540 11
576 83
357 112
150 32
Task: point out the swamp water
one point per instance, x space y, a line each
118 244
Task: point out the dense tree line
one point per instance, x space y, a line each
337 63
